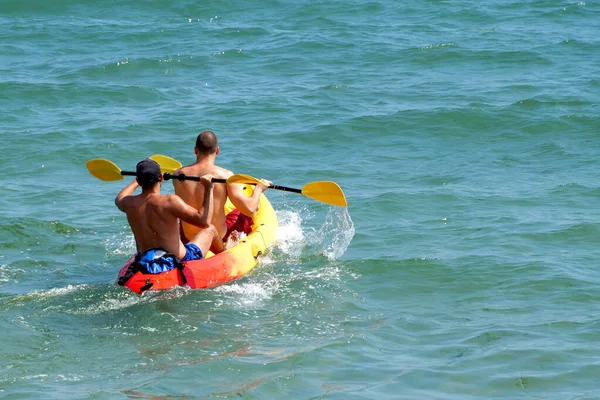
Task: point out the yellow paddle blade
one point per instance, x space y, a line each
326 192
243 178
104 170
167 164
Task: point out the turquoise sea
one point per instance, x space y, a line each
466 138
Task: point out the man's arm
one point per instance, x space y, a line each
124 193
188 213
208 202
177 184
247 205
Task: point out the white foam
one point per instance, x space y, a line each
4 273
70 378
331 239
248 290
54 292
109 305
290 237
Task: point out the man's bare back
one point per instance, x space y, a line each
154 218
192 193
153 222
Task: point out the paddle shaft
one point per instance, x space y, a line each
285 189
277 187
182 177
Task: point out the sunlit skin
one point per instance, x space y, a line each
193 193
154 218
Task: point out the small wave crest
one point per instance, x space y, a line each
46 294
7 273
55 292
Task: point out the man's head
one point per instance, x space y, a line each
148 173
206 144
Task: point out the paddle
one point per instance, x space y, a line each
167 164
323 191
107 171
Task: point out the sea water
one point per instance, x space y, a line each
465 136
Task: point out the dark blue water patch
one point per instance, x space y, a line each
114 74
334 17
547 150
551 287
578 47
544 102
81 7
569 235
27 230
564 12
15 228
575 192
10 50
52 96
39 237
446 56
246 33
24 8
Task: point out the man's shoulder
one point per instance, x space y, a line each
170 200
126 202
170 197
222 172
183 170
201 169
188 170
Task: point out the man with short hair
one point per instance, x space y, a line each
206 150
154 219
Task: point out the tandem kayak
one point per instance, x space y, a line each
216 269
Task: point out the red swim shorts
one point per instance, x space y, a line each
236 221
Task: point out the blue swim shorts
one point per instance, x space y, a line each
192 252
155 261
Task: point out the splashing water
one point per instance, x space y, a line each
336 233
290 238
331 239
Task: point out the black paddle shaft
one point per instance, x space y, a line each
285 189
183 177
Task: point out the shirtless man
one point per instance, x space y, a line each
154 219
206 150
